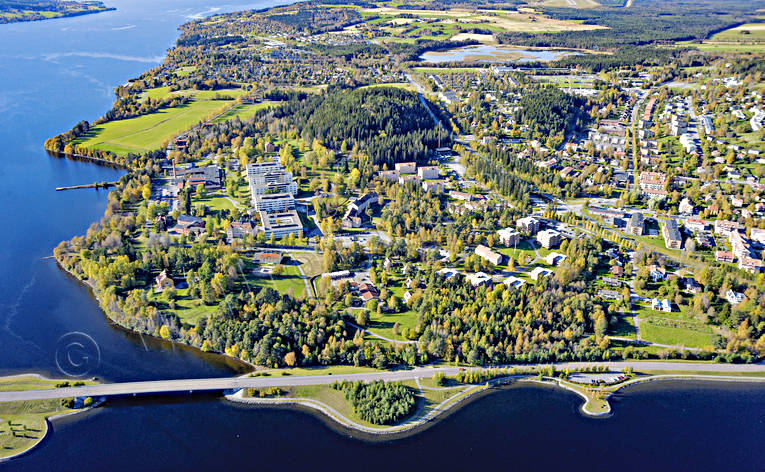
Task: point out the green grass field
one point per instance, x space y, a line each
244 112
24 423
624 327
382 323
649 331
750 32
149 132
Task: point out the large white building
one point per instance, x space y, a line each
281 223
274 202
548 238
269 183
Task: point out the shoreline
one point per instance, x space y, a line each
48 422
95 294
418 423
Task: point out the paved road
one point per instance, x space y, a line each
227 383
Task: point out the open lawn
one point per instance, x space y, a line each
401 85
149 132
24 423
382 324
189 310
624 326
214 202
750 32
245 112
311 263
656 333
163 92
524 248
290 279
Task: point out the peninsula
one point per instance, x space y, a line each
13 11
308 188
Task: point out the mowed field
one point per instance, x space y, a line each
751 32
245 111
436 24
152 131
744 38
149 132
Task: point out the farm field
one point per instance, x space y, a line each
457 24
149 132
244 112
750 32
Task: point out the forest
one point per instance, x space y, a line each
379 402
390 124
649 22
549 111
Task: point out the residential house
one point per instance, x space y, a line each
486 253
406 167
268 258
428 172
407 178
389 175
695 225
750 264
725 227
509 237
163 281
514 282
734 298
549 238
479 279
685 207
540 272
652 180
690 285
466 197
723 256
757 234
240 229
672 237
612 282
657 273
528 225
554 258
433 185
187 224
636 224
661 305
610 294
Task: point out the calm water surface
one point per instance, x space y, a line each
54 73
489 53
520 428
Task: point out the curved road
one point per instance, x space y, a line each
228 383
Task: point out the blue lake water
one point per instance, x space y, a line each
490 53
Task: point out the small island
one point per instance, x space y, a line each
14 11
